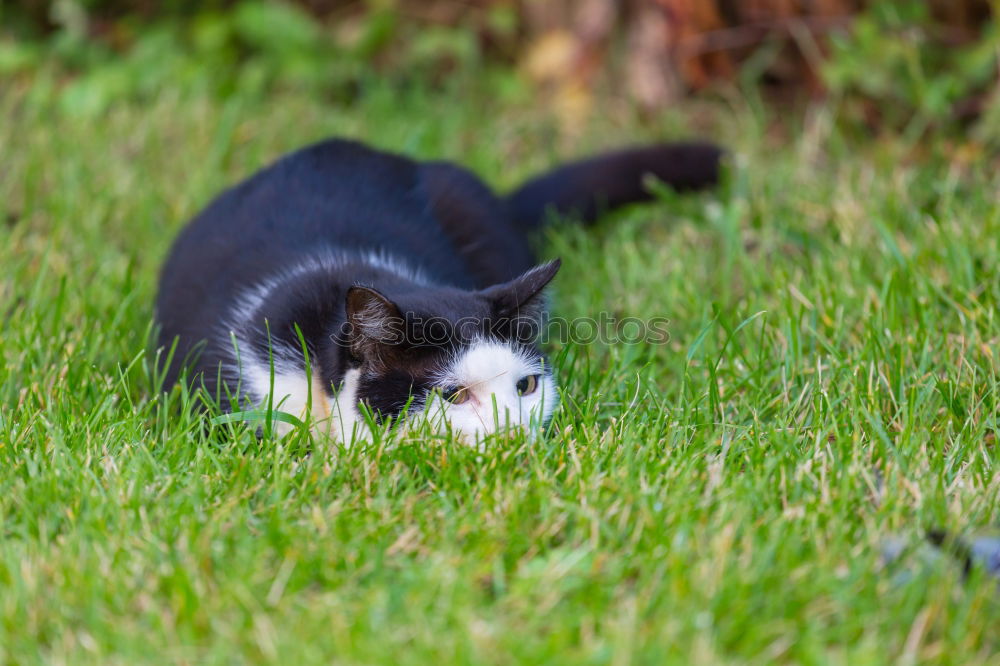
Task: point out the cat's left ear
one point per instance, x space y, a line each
522 297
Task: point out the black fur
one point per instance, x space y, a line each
469 246
589 187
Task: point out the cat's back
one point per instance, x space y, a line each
333 197
335 191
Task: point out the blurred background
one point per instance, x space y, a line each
905 66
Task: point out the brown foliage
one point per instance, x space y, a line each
679 45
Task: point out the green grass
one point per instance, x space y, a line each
831 379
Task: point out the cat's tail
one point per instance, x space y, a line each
595 185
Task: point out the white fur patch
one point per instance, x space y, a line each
338 417
349 427
489 372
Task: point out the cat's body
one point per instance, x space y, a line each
411 284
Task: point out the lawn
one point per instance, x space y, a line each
831 380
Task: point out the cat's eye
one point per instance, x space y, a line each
456 395
527 385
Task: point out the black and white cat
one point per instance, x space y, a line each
412 285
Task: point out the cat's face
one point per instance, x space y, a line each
464 362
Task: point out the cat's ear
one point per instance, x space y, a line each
374 324
522 300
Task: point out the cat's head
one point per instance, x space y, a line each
464 361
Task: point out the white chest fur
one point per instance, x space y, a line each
306 398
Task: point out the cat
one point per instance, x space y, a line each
411 287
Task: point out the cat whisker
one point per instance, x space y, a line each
488 379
